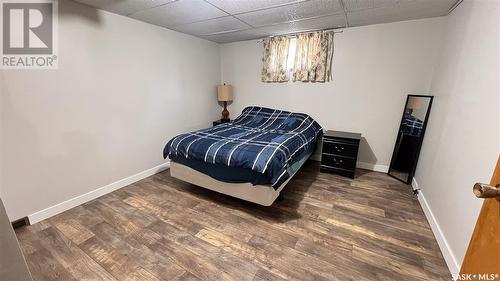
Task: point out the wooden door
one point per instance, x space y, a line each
483 253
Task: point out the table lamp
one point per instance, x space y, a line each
225 94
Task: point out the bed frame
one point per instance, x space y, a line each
261 194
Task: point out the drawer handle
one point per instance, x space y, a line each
337 148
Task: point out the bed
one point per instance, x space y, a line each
251 158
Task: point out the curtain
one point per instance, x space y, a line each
275 58
313 57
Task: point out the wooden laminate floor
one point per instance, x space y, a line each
327 228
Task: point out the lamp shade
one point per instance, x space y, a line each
224 93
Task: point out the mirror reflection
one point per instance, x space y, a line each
410 136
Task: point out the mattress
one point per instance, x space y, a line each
240 175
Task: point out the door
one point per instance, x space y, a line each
483 253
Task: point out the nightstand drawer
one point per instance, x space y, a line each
335 161
333 146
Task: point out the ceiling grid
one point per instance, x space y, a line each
225 21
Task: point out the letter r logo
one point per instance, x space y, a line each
27 28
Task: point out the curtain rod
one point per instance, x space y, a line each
335 30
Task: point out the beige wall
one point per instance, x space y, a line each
462 142
374 68
123 88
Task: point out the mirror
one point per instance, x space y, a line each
410 136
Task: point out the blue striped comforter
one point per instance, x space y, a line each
262 139
411 125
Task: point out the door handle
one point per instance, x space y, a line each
483 190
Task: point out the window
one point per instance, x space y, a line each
306 57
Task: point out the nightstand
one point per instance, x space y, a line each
218 122
340 153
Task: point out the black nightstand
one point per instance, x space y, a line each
218 122
340 153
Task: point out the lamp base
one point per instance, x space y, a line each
225 112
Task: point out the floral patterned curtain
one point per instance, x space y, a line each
275 59
313 57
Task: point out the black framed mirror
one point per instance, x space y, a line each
410 137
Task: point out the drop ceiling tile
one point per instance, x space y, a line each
327 22
224 24
302 10
403 11
179 12
124 7
356 5
236 36
242 6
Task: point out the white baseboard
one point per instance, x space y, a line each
448 255
76 201
372 167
